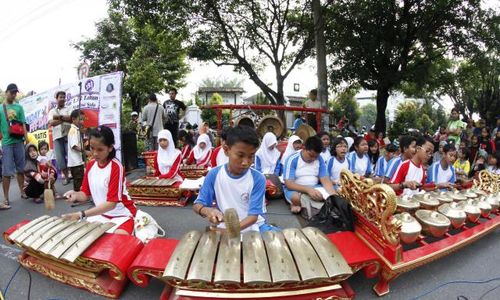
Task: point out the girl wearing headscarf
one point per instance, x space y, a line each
219 157
167 159
293 146
201 152
267 158
34 178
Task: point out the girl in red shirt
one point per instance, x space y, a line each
202 152
167 159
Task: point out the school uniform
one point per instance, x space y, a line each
268 161
408 171
326 155
244 192
436 174
392 166
381 166
218 157
108 184
201 156
302 172
334 168
361 166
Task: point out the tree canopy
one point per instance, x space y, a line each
248 35
152 59
345 105
379 44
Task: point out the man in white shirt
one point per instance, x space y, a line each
312 102
59 119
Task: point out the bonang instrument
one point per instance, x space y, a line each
152 191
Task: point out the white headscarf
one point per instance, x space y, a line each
268 158
289 147
166 157
201 153
349 141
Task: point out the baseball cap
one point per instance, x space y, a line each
12 88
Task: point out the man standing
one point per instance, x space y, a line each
13 146
59 119
152 117
172 114
312 102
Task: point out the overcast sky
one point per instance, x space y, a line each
35 51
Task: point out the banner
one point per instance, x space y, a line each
99 97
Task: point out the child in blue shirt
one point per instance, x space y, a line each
235 184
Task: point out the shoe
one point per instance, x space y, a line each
65 181
4 206
24 196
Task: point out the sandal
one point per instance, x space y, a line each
295 209
5 205
38 200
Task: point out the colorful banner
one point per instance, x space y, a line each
99 97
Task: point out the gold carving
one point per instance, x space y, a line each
78 281
487 182
146 202
376 203
99 266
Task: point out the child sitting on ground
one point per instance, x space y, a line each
267 158
327 151
359 162
34 178
167 159
235 185
202 152
338 161
218 156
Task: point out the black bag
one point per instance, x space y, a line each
335 215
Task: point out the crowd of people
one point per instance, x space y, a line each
240 166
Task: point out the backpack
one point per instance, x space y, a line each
335 215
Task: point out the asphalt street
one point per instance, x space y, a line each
477 262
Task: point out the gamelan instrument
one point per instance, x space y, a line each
294 262
304 132
157 192
271 124
274 187
409 231
77 253
193 171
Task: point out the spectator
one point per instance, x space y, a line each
455 126
440 135
480 124
13 148
187 143
485 142
312 102
75 149
133 124
370 135
380 140
373 153
474 148
496 130
479 163
152 118
34 179
469 130
60 121
172 108
439 154
494 163
327 150
300 119
462 164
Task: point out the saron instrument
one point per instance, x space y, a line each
77 253
151 191
193 171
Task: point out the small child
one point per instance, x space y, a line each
34 178
326 153
462 164
494 163
75 149
373 153
218 156
43 157
202 152
235 185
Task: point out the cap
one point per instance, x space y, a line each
12 88
134 113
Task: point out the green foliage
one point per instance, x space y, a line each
379 44
345 105
210 115
248 35
368 115
413 115
151 58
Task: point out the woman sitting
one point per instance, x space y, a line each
202 152
105 182
34 176
168 159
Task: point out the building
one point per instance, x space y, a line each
230 95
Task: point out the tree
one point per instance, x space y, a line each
345 105
368 115
151 59
415 115
248 35
379 44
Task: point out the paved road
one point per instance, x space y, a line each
480 261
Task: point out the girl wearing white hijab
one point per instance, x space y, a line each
201 152
267 158
168 159
291 148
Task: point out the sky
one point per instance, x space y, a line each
36 52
